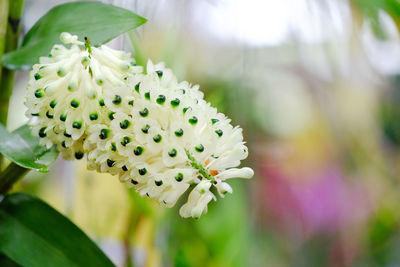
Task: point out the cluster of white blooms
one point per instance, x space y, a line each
159 135
65 92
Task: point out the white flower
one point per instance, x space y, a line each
197 201
65 92
157 134
168 139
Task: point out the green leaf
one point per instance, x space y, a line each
23 149
7 262
100 22
370 9
34 234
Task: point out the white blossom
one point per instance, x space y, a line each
65 92
157 134
172 139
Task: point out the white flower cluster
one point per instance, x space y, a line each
159 135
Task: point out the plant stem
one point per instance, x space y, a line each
10 10
12 174
11 43
3 30
3 26
130 227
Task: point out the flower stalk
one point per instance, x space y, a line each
12 174
10 44
10 10
3 26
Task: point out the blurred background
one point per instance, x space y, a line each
315 84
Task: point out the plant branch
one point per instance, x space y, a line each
10 16
3 26
12 174
11 43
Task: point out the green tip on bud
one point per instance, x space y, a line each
199 148
53 103
179 133
157 138
37 76
67 134
117 100
142 171
126 140
90 71
42 132
144 112
113 147
61 72
124 124
85 61
79 155
161 99
158 183
172 153
74 103
104 133
111 115
48 115
147 95
93 116
138 150
179 177
137 86
63 117
110 163
72 87
124 168
175 102
146 128
101 102
77 124
99 81
39 93
214 121
159 73
193 120
219 132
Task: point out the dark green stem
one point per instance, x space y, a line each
12 174
3 30
3 26
132 222
10 43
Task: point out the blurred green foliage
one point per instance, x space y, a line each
222 238
370 10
